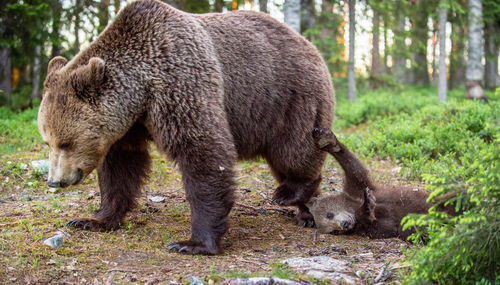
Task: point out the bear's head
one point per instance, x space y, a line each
69 120
334 213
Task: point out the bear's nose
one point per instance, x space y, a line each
55 184
345 225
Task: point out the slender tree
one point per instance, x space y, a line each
351 80
292 14
400 50
262 6
375 70
491 49
474 71
56 6
418 19
443 14
308 16
103 15
457 56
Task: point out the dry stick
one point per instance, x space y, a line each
286 212
109 281
381 273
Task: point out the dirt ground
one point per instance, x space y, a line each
262 235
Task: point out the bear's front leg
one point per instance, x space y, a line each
121 176
208 180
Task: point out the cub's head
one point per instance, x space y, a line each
334 213
69 121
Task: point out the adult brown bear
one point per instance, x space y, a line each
207 89
363 207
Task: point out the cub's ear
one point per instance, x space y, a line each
311 202
56 63
86 78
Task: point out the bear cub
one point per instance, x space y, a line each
363 207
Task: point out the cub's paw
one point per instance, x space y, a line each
191 247
91 224
305 219
325 139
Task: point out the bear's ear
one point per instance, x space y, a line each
311 202
56 63
88 77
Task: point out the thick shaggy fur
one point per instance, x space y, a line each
364 208
207 89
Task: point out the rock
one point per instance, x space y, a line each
55 242
51 262
156 199
52 190
323 267
262 281
23 166
40 166
195 281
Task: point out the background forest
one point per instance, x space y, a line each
402 88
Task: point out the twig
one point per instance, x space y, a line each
261 194
123 270
381 273
4 201
109 281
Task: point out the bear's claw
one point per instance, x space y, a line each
189 247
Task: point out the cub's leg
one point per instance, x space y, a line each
121 176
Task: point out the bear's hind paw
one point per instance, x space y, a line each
92 225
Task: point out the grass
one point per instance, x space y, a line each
408 129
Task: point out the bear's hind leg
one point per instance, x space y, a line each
121 176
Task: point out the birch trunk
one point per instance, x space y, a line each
292 14
442 86
474 70
351 80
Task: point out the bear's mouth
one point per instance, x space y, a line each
79 177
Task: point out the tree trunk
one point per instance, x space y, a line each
56 27
218 5
399 56
292 14
117 6
434 76
375 49
457 58
474 71
5 72
491 79
308 16
77 11
103 15
35 84
386 48
263 6
420 74
351 80
443 13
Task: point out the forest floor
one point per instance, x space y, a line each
262 235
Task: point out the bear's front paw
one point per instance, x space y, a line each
91 224
191 247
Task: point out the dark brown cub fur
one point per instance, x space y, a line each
364 208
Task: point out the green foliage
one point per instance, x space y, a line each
454 148
18 131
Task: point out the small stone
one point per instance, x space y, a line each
40 166
51 262
211 282
23 166
55 242
13 279
52 190
221 168
195 281
156 199
263 166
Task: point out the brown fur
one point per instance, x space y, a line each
363 207
207 90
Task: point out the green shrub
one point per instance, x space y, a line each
453 147
18 131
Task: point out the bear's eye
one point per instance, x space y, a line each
64 146
329 216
